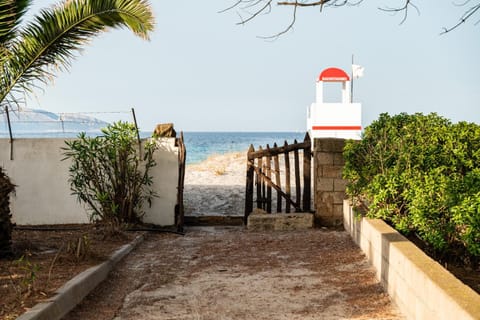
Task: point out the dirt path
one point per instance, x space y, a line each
230 273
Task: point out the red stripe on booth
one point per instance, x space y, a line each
337 128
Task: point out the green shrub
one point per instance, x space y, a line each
421 173
108 175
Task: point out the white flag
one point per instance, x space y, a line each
357 71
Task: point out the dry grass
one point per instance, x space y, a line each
45 260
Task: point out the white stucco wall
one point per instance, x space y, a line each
343 119
43 194
165 184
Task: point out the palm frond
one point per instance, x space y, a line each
11 13
52 40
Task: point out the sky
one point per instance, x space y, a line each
204 72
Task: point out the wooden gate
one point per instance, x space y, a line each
182 156
262 176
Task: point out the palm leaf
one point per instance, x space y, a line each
56 35
11 12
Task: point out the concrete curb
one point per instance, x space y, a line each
76 289
421 288
213 220
280 222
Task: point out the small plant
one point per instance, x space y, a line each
24 282
108 175
79 248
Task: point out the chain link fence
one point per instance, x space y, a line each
32 123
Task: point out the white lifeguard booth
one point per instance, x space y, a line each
338 119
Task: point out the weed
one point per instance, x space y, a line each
24 281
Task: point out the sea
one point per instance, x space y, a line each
201 145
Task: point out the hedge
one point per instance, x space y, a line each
421 174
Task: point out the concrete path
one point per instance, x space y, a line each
231 273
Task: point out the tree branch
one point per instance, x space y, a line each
290 26
231 7
300 4
467 15
265 6
404 8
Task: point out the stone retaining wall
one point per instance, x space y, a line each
420 287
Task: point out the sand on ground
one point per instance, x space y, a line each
232 273
216 186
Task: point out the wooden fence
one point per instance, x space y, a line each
179 208
264 177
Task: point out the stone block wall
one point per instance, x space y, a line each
329 187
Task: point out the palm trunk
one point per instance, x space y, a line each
6 226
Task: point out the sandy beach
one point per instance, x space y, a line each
216 186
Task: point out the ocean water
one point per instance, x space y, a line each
199 145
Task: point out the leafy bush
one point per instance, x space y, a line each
106 174
6 226
421 173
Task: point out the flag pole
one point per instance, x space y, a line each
351 83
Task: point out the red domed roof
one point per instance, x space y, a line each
333 75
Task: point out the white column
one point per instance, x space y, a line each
346 92
319 92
